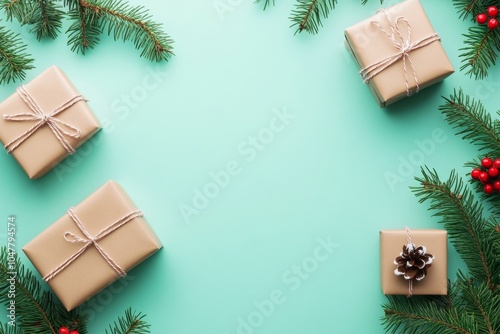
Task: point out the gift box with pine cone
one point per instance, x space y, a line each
414 262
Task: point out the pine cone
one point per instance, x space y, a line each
413 262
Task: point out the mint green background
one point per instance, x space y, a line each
323 175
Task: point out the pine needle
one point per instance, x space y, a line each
14 60
132 323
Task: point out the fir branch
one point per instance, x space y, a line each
420 315
123 22
14 61
8 329
37 310
46 18
307 14
266 3
480 51
475 123
84 31
18 9
463 218
468 8
482 303
132 323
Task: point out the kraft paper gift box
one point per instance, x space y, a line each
436 280
383 46
44 121
71 263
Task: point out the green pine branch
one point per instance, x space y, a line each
89 20
308 14
37 310
46 17
462 216
267 3
8 329
474 122
470 308
120 20
422 315
480 50
481 302
476 125
14 60
132 323
470 8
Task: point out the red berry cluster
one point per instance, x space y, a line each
65 330
489 16
489 175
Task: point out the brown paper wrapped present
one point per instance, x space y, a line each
398 51
435 242
44 121
92 245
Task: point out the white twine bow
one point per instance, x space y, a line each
404 46
88 241
60 128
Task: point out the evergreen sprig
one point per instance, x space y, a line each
308 15
132 323
481 44
473 122
14 60
470 308
90 19
38 311
462 216
120 20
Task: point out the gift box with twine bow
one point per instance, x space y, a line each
92 245
398 52
44 121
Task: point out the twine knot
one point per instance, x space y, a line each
404 45
89 240
61 129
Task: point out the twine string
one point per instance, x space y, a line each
408 242
89 240
404 46
61 129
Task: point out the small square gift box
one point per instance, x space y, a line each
92 245
44 121
398 52
414 262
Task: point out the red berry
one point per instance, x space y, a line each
488 188
74 332
481 18
492 24
484 177
487 162
475 173
64 330
492 11
496 185
493 172
496 163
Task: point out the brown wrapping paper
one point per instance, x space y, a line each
436 281
42 151
369 45
90 273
